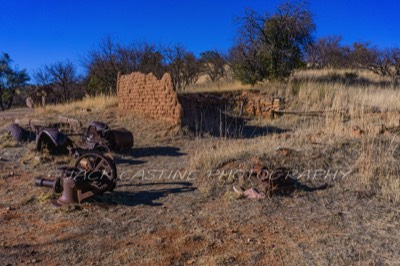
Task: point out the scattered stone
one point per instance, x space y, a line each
253 193
37 159
250 193
191 262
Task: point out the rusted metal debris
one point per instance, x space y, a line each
99 134
20 134
52 139
261 180
92 175
94 172
277 181
55 136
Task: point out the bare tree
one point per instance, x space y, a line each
362 55
102 67
111 58
183 66
386 63
213 64
328 52
60 75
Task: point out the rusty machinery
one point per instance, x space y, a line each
93 174
98 136
94 171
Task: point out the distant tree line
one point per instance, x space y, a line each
111 58
328 52
268 46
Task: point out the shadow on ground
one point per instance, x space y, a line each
257 131
244 131
156 151
145 197
128 161
346 79
297 186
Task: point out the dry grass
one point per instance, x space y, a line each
95 104
218 86
6 140
356 115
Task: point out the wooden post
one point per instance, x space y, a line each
43 100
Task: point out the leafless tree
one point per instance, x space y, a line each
111 58
363 55
213 64
183 66
327 52
386 63
62 76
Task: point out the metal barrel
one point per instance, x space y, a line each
43 182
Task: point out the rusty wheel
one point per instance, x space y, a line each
99 166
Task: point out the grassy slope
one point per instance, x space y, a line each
358 109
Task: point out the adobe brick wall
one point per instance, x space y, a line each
218 113
147 95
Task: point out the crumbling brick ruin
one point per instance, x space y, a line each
221 113
145 94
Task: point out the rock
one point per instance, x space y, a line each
29 103
190 262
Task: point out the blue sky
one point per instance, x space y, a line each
39 32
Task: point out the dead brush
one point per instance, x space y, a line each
6 141
353 115
92 103
379 168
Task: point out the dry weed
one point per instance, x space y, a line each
354 113
87 104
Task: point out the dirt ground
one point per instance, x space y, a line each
159 216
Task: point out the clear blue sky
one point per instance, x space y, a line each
39 32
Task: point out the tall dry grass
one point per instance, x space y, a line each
218 86
94 103
355 114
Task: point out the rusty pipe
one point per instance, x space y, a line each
43 182
56 185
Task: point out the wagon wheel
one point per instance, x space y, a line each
101 166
